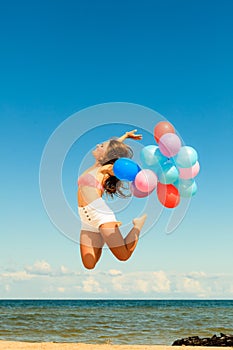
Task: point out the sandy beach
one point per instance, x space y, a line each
9 345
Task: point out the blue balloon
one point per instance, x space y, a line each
125 169
168 173
186 157
186 188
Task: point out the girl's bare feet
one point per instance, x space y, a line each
139 222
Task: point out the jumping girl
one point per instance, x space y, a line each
99 224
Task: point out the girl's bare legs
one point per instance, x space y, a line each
91 244
122 248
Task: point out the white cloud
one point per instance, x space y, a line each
40 267
119 284
191 285
203 285
161 282
196 274
114 273
90 285
141 286
64 270
17 276
42 280
145 282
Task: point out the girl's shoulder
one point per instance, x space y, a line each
107 169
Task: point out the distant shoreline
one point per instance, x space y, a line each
112 299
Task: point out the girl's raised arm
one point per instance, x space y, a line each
130 135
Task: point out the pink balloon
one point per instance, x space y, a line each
169 144
136 193
146 180
189 173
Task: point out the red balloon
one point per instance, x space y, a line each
162 128
168 195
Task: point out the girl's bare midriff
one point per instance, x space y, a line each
87 194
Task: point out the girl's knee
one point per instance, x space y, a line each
121 255
123 258
89 262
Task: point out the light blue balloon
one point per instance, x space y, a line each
186 188
147 155
186 157
125 169
161 159
152 158
168 173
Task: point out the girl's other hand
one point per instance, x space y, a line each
132 135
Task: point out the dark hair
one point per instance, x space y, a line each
112 185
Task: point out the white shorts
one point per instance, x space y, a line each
95 214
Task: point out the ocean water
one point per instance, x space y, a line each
113 321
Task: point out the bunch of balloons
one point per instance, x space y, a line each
167 166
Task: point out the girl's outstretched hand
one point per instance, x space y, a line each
132 135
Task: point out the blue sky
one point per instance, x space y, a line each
59 57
